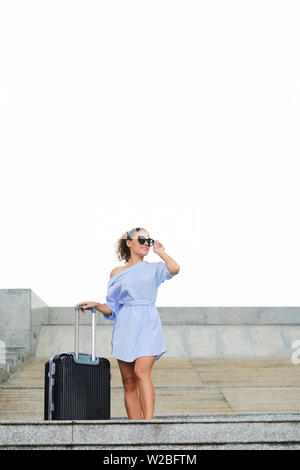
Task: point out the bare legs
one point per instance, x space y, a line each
139 395
131 395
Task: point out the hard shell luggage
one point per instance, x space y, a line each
77 386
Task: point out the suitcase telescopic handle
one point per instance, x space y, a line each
93 335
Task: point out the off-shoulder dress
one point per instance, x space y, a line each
131 297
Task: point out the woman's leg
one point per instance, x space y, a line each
142 370
131 388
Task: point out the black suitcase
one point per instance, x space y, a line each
77 386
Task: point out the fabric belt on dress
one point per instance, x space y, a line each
138 302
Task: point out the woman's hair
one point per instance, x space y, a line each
122 250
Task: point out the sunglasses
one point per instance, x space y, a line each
142 240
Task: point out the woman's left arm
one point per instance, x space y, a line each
172 266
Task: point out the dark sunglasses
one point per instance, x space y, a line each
142 240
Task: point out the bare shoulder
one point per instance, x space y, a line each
116 271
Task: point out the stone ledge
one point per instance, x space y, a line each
197 316
183 340
229 431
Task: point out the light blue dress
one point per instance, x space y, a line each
131 297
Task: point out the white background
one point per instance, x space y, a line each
178 116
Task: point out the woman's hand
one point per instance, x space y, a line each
158 247
87 305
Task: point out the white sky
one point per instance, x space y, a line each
180 117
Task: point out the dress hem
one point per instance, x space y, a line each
158 356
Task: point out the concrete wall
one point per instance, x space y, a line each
27 322
189 331
198 316
22 313
182 341
39 312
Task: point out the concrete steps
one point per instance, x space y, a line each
201 403
227 381
183 386
273 431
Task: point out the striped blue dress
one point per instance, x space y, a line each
131 297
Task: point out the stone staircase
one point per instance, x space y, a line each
207 432
200 403
227 381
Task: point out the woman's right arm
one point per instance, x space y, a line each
100 307
103 309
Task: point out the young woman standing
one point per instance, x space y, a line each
137 338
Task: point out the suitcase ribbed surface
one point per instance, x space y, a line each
81 391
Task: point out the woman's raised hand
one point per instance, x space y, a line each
157 247
86 305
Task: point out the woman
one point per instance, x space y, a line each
137 339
